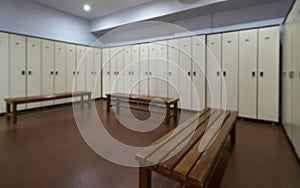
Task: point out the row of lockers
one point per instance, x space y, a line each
33 66
234 70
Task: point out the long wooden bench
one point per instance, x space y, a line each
145 99
189 153
23 100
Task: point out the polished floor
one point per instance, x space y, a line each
45 149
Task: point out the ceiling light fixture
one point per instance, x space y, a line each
86 7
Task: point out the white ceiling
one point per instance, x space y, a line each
99 8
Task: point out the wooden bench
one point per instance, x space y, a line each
145 99
23 100
189 153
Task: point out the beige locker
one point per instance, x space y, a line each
173 68
198 72
34 76
4 76
248 73
80 68
89 68
144 68
114 70
158 66
213 72
47 69
185 70
230 58
120 69
105 71
268 66
70 69
59 70
127 72
97 69
17 67
135 67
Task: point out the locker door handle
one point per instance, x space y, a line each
150 73
132 73
291 74
29 72
194 73
189 73
170 73
224 73
78 72
92 73
23 72
74 72
218 73
56 72
146 73
261 73
129 73
253 73
51 72
108 73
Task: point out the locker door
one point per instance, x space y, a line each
248 73
213 88
80 66
120 69
160 69
127 69
97 70
230 57
144 65
105 71
185 73
17 67
4 76
60 70
113 70
173 68
135 68
198 73
153 70
268 82
34 85
70 68
89 68
47 69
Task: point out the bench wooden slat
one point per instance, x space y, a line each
142 98
200 173
144 154
186 164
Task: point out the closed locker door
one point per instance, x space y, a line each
120 69
80 66
34 84
105 71
185 73
135 68
198 73
230 58
144 66
213 89
268 66
47 69
113 70
153 69
127 72
173 68
70 69
97 71
248 73
89 68
60 70
17 67
4 76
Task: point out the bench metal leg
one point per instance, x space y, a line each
233 134
8 111
168 114
145 177
14 113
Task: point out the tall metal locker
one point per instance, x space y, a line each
268 66
47 69
89 68
248 73
135 67
198 72
185 73
34 77
105 71
127 72
120 69
214 58
17 67
60 70
173 68
158 65
97 70
144 69
70 69
4 76
80 67
230 58
113 69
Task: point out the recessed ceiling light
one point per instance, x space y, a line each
86 7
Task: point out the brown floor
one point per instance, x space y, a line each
45 149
